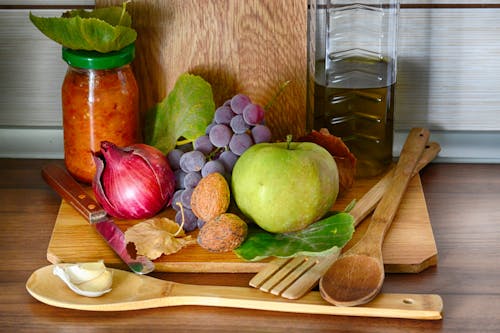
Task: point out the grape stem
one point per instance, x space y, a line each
183 142
275 97
182 215
214 153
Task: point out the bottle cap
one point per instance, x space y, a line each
97 60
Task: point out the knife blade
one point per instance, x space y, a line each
70 190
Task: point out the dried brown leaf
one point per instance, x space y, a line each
157 236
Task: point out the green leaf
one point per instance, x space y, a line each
320 238
103 30
112 15
185 112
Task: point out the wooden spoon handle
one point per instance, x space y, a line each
410 154
370 199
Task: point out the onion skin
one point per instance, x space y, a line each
134 182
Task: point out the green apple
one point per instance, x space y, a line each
284 187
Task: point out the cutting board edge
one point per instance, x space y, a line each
412 268
243 267
219 267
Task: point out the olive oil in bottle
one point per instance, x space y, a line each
360 112
352 57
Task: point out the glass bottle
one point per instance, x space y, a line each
352 57
100 101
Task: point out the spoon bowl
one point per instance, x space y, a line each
357 278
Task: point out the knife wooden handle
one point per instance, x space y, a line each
70 190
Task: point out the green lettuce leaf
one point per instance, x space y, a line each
103 30
320 238
184 113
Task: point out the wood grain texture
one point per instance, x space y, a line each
409 245
249 47
463 204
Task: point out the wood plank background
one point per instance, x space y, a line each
249 46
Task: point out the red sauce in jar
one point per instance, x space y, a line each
98 104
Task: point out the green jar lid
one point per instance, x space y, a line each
97 60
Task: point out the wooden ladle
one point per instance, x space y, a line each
357 276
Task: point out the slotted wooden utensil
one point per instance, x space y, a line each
293 277
357 276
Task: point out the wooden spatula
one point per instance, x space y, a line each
293 277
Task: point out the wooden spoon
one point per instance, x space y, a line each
357 276
132 292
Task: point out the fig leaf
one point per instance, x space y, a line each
184 113
103 29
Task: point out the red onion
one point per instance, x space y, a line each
134 182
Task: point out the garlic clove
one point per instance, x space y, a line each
99 284
83 272
87 279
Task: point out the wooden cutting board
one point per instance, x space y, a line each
409 245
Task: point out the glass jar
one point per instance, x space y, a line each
100 101
352 73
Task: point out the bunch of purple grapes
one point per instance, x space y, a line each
237 125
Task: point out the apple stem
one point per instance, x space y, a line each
288 141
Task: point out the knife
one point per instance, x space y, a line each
70 190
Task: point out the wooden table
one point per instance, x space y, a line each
464 207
